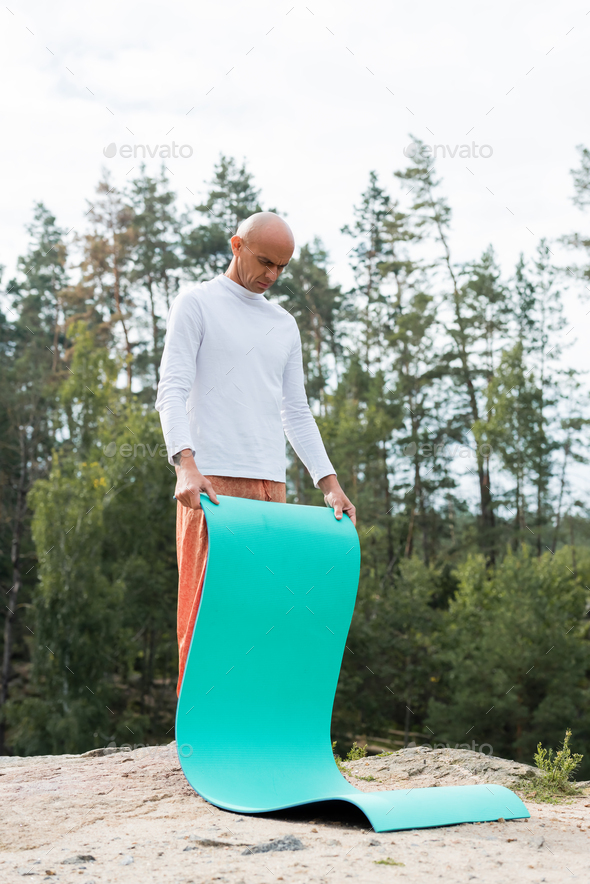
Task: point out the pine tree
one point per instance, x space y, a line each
231 198
30 372
155 255
305 291
416 380
365 306
514 656
472 308
538 320
107 262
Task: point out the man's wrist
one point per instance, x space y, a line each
180 458
328 483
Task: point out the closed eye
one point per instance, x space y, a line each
266 261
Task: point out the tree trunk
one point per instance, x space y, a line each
55 337
425 532
388 505
487 512
451 519
417 496
150 288
410 538
117 292
539 516
574 565
17 533
561 489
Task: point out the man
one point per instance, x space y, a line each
231 387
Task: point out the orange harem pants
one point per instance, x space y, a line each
192 545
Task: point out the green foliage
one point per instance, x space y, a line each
388 861
337 757
514 656
471 622
231 198
388 662
76 620
560 766
356 752
103 629
29 378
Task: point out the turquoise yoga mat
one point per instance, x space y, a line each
254 712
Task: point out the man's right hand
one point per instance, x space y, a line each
190 483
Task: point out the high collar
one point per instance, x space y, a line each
239 289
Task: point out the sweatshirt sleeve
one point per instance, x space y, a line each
184 334
298 421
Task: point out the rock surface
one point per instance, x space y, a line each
117 817
441 767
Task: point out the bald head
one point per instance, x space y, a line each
264 227
262 247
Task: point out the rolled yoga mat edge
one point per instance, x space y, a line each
254 712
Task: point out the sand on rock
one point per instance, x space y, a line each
130 816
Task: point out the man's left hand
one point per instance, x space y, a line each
336 499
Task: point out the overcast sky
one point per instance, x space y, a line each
313 97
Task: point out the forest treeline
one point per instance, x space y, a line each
442 394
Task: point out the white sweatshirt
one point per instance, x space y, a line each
232 380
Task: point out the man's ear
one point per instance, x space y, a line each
236 244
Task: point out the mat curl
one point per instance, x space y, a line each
254 712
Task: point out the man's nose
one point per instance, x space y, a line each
272 271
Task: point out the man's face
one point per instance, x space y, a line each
262 260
